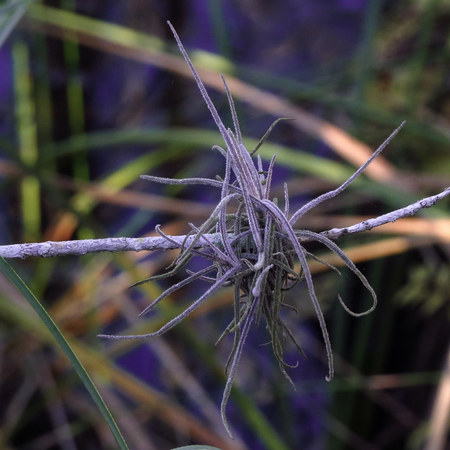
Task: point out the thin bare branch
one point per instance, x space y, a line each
366 225
82 247
77 248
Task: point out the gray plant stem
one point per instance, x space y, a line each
82 247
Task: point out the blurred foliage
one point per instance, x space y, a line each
427 287
65 346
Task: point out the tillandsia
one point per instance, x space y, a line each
255 248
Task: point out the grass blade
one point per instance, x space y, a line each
54 330
197 447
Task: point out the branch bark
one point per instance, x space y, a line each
82 247
409 210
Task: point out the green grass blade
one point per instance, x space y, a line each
76 364
27 139
191 139
197 447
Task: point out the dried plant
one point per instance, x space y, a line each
256 250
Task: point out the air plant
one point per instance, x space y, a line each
255 249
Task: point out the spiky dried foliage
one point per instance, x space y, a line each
256 251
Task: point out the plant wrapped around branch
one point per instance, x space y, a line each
254 250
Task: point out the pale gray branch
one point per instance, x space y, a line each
82 247
366 225
63 248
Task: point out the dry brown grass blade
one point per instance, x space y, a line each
367 252
65 223
72 307
358 254
138 439
99 366
61 227
177 371
385 400
140 200
341 142
125 197
439 421
8 168
157 403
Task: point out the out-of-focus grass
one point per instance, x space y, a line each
150 49
52 329
386 91
28 147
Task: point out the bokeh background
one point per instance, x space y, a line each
95 93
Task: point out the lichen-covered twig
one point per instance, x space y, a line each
76 248
82 247
409 210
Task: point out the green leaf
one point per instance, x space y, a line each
197 447
76 364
